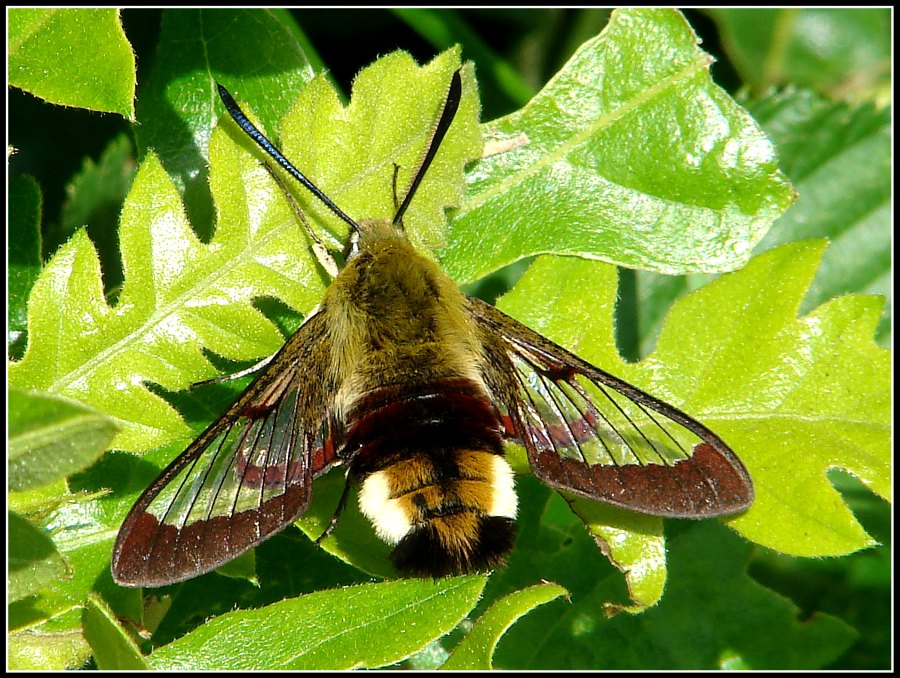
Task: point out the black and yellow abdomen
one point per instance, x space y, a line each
433 479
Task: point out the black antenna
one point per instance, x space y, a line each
238 115
450 105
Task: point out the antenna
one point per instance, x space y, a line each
451 104
244 123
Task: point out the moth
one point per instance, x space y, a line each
415 389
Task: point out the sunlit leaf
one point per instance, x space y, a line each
72 56
634 156
359 627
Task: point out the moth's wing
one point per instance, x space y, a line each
592 434
246 477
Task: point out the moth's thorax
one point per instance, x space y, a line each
394 316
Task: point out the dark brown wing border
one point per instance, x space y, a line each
246 477
645 467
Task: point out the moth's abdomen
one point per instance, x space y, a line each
433 478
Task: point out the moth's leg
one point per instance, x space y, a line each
237 375
396 197
323 255
503 144
337 512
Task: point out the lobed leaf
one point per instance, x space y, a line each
179 296
792 396
350 153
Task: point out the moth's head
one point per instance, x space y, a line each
371 233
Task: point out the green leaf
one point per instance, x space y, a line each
52 438
33 561
179 297
792 396
601 177
635 544
714 616
247 50
360 627
113 648
72 57
476 650
843 51
352 157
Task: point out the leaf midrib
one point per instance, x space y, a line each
649 94
179 303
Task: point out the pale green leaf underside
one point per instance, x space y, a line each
179 297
